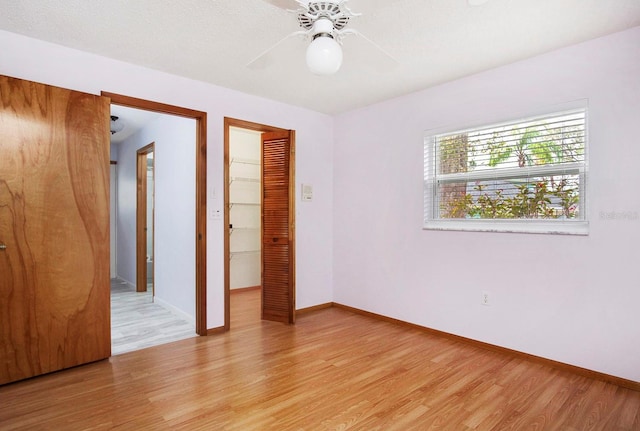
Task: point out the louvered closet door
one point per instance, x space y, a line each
54 229
278 275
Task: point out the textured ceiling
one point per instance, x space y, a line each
434 41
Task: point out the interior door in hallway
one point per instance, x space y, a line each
54 229
278 229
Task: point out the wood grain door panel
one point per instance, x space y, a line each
54 221
278 289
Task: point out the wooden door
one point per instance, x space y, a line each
54 224
278 230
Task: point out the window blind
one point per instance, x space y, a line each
527 169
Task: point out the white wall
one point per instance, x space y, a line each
38 61
573 299
126 210
174 154
114 151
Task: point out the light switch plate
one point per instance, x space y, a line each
216 214
307 193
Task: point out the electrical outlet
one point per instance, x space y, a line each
485 298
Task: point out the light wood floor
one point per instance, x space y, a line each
333 370
137 322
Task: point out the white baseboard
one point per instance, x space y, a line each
175 310
127 282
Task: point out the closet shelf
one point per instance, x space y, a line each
232 254
233 229
252 204
245 161
244 180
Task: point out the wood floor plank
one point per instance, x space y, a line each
333 370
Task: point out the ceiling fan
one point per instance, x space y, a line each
323 24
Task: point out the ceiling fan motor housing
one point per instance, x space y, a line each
322 27
323 17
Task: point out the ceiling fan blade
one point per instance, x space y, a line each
285 4
355 5
372 53
368 6
262 60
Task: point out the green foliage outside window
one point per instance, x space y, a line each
549 195
528 203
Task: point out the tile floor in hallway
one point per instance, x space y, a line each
137 322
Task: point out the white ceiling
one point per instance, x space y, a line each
434 41
132 121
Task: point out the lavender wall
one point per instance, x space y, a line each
52 64
573 299
174 141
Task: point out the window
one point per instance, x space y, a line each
523 176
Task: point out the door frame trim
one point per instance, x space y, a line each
201 191
142 193
242 124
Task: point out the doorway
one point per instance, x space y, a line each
259 189
153 294
200 193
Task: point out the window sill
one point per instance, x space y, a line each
577 227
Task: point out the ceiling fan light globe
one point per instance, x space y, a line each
324 56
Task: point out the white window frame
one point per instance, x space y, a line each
579 226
